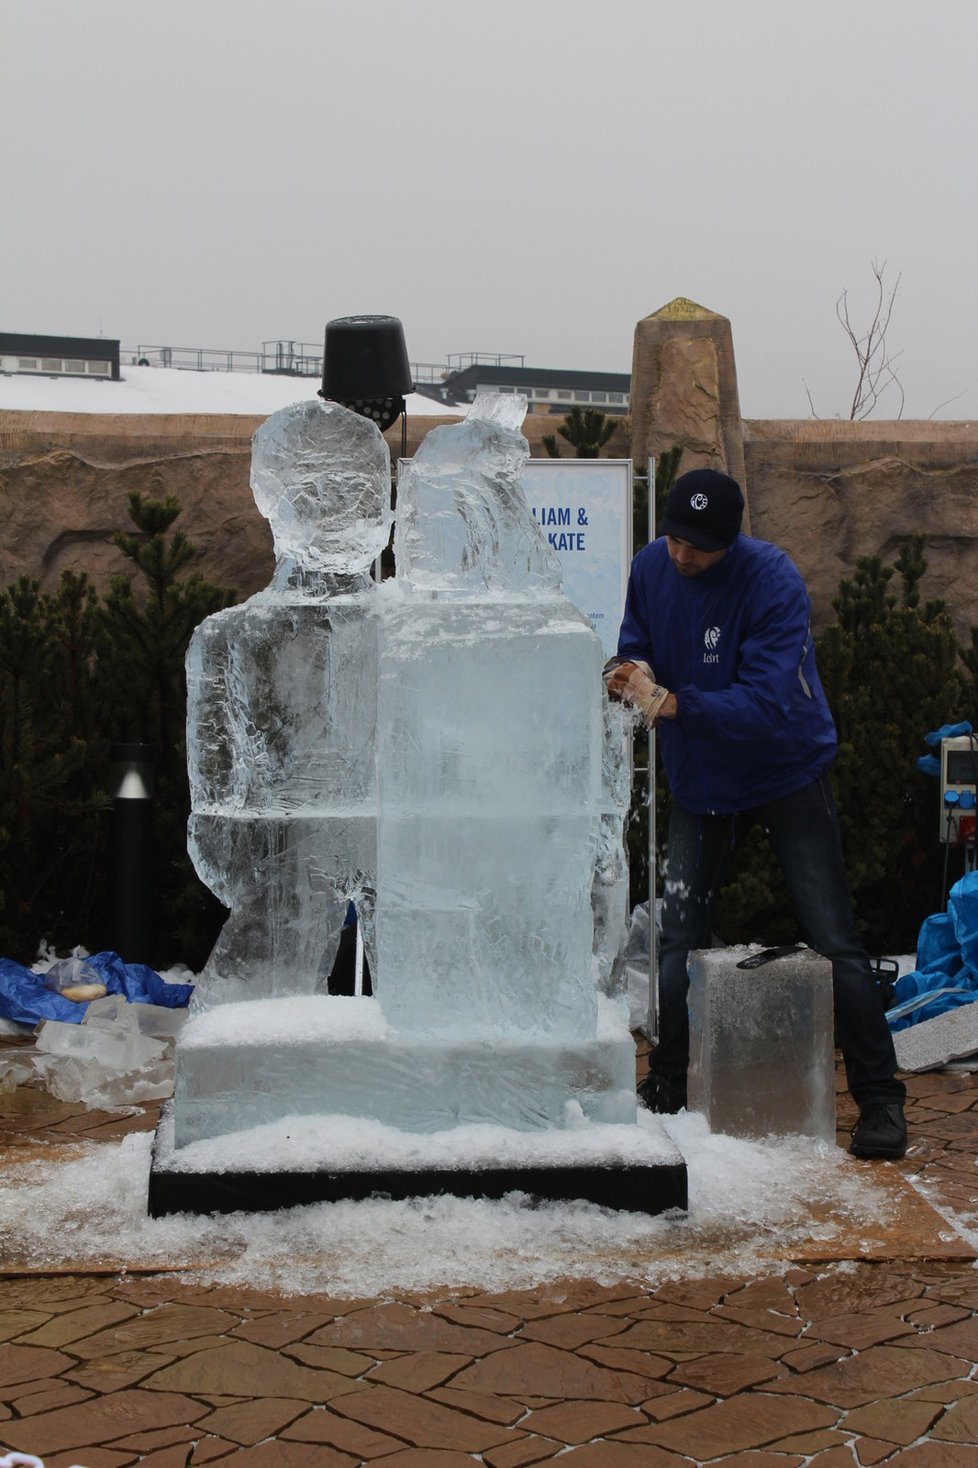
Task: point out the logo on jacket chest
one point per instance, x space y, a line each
711 640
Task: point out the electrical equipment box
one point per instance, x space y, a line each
959 788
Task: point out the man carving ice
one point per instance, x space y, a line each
746 735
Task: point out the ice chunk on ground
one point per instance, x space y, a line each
154 1020
100 1088
15 1069
119 1048
108 1060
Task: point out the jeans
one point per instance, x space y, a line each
803 829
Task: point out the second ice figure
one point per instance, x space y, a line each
282 709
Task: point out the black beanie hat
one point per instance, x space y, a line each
704 507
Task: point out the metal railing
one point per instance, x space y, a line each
196 359
290 358
294 359
458 361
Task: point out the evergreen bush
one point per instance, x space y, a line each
76 674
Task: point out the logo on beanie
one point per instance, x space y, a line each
699 502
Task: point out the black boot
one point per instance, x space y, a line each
881 1130
663 1093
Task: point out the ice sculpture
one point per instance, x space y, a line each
282 695
494 806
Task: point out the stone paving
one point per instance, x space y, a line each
859 1363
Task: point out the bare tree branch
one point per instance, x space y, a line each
808 394
876 364
877 367
952 399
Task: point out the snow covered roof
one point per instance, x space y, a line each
176 390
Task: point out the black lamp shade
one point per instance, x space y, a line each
365 359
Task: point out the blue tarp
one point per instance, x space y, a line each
929 764
24 997
947 960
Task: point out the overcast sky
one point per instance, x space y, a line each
525 176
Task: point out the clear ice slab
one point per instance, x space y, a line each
761 1043
489 761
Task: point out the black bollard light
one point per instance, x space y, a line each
131 853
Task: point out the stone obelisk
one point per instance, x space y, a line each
684 390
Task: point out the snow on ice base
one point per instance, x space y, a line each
751 1203
257 1062
348 1143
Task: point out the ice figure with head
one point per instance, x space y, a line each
491 790
282 712
464 532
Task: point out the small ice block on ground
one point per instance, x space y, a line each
761 1043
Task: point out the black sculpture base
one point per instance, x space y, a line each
648 1186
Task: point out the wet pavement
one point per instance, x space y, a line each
829 1364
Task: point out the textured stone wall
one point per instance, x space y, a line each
65 480
830 492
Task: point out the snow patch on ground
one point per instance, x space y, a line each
750 1204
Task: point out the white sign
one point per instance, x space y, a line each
584 508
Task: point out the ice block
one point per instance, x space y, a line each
761 1043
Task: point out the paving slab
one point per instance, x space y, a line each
425 1424
100 1421
522 1454
251 1371
580 1422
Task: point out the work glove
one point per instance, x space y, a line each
634 682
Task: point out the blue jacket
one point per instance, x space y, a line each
735 646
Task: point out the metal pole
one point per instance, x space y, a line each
358 961
653 954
